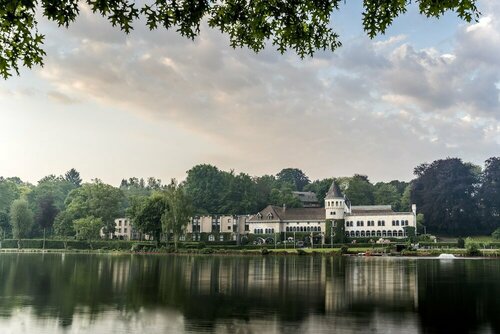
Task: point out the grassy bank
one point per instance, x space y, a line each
116 246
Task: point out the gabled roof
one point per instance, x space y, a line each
287 214
334 192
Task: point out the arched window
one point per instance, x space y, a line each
357 233
373 233
362 233
384 233
352 233
389 233
379 233
397 222
400 233
394 233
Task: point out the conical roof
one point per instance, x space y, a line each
334 192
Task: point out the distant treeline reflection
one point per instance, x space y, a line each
456 296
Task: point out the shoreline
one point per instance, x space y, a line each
353 252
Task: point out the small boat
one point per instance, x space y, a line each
446 256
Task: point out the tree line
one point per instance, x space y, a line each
455 197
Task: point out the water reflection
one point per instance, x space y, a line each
55 293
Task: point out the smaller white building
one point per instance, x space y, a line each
123 230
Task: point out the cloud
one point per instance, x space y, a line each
61 98
372 107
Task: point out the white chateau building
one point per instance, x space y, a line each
360 221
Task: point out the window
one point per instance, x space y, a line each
229 228
389 233
269 215
397 222
221 237
379 234
247 227
211 237
125 230
334 213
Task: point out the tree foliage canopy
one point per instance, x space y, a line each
21 218
303 26
445 192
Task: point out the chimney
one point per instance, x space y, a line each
414 209
284 207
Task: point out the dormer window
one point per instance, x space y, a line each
270 215
259 215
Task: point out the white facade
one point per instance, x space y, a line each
123 230
360 221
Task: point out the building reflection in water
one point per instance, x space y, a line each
82 293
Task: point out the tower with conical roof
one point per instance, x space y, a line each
334 203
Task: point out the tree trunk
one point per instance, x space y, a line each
18 243
43 247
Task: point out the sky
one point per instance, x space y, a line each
156 104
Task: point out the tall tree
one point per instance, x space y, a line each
206 185
359 190
5 227
46 214
445 192
263 187
146 214
303 26
240 196
386 194
284 196
179 210
73 177
88 228
294 176
21 219
489 193
96 199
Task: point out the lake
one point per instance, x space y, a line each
80 293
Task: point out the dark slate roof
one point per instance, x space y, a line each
305 196
277 213
334 192
373 210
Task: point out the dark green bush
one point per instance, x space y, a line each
206 251
460 243
301 251
264 251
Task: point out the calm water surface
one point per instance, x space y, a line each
75 293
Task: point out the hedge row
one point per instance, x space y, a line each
69 244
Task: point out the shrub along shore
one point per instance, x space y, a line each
114 246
